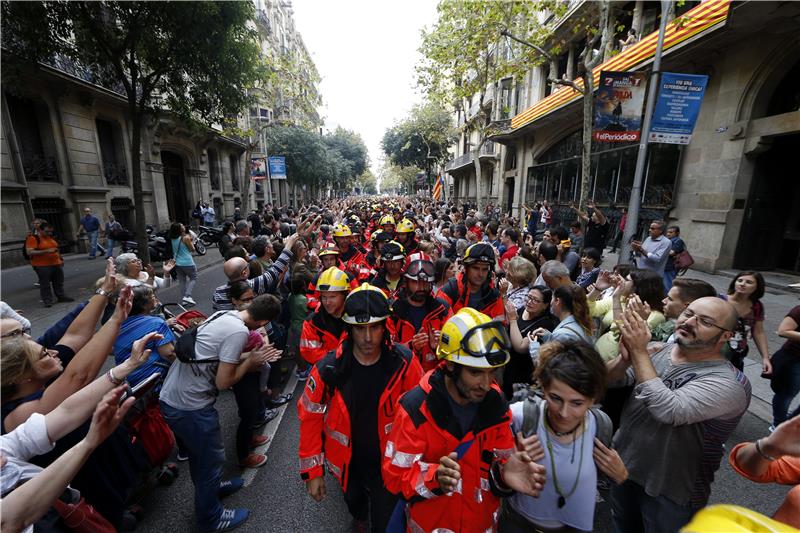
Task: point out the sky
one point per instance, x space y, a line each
365 52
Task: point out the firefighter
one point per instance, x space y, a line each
387 223
404 234
348 405
376 242
451 454
474 287
349 255
418 317
323 329
389 276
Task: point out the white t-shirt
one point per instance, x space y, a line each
190 387
27 440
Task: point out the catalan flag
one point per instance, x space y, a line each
437 188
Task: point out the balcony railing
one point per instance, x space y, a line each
487 151
78 70
263 19
115 174
38 167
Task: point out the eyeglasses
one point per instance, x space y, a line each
535 300
704 321
45 353
14 333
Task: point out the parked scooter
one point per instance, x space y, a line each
210 235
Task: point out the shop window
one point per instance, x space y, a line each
233 163
33 131
109 136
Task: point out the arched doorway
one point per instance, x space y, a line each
770 235
175 187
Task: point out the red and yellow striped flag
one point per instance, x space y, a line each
437 188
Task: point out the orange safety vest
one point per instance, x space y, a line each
325 432
424 431
402 330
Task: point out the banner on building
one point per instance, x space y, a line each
618 107
277 167
258 168
679 100
437 188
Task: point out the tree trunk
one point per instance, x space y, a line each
136 179
586 145
476 161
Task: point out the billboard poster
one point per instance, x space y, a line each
258 168
618 107
679 100
277 167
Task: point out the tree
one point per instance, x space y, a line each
194 59
463 56
396 178
367 182
420 140
352 148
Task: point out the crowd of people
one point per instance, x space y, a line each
462 371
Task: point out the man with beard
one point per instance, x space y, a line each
322 330
347 409
418 317
451 452
687 401
349 255
393 257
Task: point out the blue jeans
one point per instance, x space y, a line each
669 277
785 384
92 242
634 511
110 247
187 276
201 436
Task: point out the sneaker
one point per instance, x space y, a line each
187 300
180 456
229 519
303 375
258 440
48 304
229 486
269 414
254 460
66 299
278 400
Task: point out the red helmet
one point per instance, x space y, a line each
419 267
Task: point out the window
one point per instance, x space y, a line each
122 209
233 163
213 169
111 158
34 134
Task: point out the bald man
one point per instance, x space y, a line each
237 269
687 400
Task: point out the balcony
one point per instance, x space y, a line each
69 66
38 167
263 21
487 153
115 174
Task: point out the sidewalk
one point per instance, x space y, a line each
778 300
17 287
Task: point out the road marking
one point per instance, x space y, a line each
249 474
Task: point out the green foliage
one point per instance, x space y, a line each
292 80
422 138
367 182
395 178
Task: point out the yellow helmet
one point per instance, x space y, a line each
340 230
405 226
387 219
471 338
329 249
733 519
366 304
333 279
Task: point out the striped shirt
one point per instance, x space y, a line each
266 282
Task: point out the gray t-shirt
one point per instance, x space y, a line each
190 387
673 427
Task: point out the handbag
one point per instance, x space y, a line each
153 432
81 517
682 261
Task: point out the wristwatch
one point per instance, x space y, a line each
101 292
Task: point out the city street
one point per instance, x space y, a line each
275 493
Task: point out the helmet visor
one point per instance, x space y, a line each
488 340
422 270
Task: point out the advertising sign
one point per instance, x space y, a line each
618 107
277 167
258 168
679 100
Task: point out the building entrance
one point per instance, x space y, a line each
175 186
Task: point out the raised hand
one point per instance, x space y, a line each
635 333
503 285
523 475
124 304
139 351
110 279
168 266
511 311
107 416
785 440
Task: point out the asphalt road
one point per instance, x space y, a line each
274 493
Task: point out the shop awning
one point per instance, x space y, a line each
704 18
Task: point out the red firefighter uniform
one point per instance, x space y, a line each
423 431
324 412
321 334
436 314
456 293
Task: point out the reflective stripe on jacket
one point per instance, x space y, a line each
437 313
325 433
321 334
424 431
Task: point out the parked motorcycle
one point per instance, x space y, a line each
210 235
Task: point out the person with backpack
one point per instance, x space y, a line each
213 362
573 441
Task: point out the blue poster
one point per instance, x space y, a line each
277 167
679 100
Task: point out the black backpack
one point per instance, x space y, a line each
25 247
184 347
